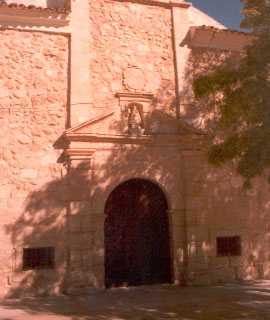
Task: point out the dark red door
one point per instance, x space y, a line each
137 248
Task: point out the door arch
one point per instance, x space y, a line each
137 246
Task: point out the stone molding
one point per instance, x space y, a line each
186 142
161 3
21 6
180 123
224 39
128 98
80 154
132 97
134 78
28 19
180 4
80 136
83 124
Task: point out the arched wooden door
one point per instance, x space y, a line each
137 250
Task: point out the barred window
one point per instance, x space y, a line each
228 246
38 258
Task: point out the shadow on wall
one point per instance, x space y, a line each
202 61
165 99
225 208
58 215
49 221
45 223
42 224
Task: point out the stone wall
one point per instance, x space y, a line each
125 34
216 203
218 206
43 206
33 114
202 61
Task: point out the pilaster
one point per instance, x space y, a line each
178 239
98 250
180 22
196 244
79 62
79 226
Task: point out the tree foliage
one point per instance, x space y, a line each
241 98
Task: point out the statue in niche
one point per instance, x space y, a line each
135 121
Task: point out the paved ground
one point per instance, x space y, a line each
241 301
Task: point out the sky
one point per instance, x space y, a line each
227 12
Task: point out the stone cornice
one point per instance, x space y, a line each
19 16
129 96
144 140
15 6
79 154
180 4
223 39
161 3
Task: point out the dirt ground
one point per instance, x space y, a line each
246 300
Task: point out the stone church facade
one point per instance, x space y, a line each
104 180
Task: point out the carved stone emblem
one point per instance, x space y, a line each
134 78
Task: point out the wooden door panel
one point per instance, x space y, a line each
136 235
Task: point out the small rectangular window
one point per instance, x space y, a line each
228 246
38 258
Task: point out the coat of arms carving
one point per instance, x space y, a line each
134 78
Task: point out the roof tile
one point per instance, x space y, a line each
32 7
211 28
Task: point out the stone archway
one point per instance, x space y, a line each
137 246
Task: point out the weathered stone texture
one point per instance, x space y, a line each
130 34
33 109
44 204
215 199
202 61
223 208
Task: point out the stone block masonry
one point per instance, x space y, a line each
99 71
33 113
124 34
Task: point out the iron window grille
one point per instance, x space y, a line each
38 258
228 246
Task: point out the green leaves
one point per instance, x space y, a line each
256 15
221 79
227 150
240 99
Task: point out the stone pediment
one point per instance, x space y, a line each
161 123
110 127
113 122
103 124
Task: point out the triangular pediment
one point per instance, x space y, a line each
162 123
113 122
98 124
